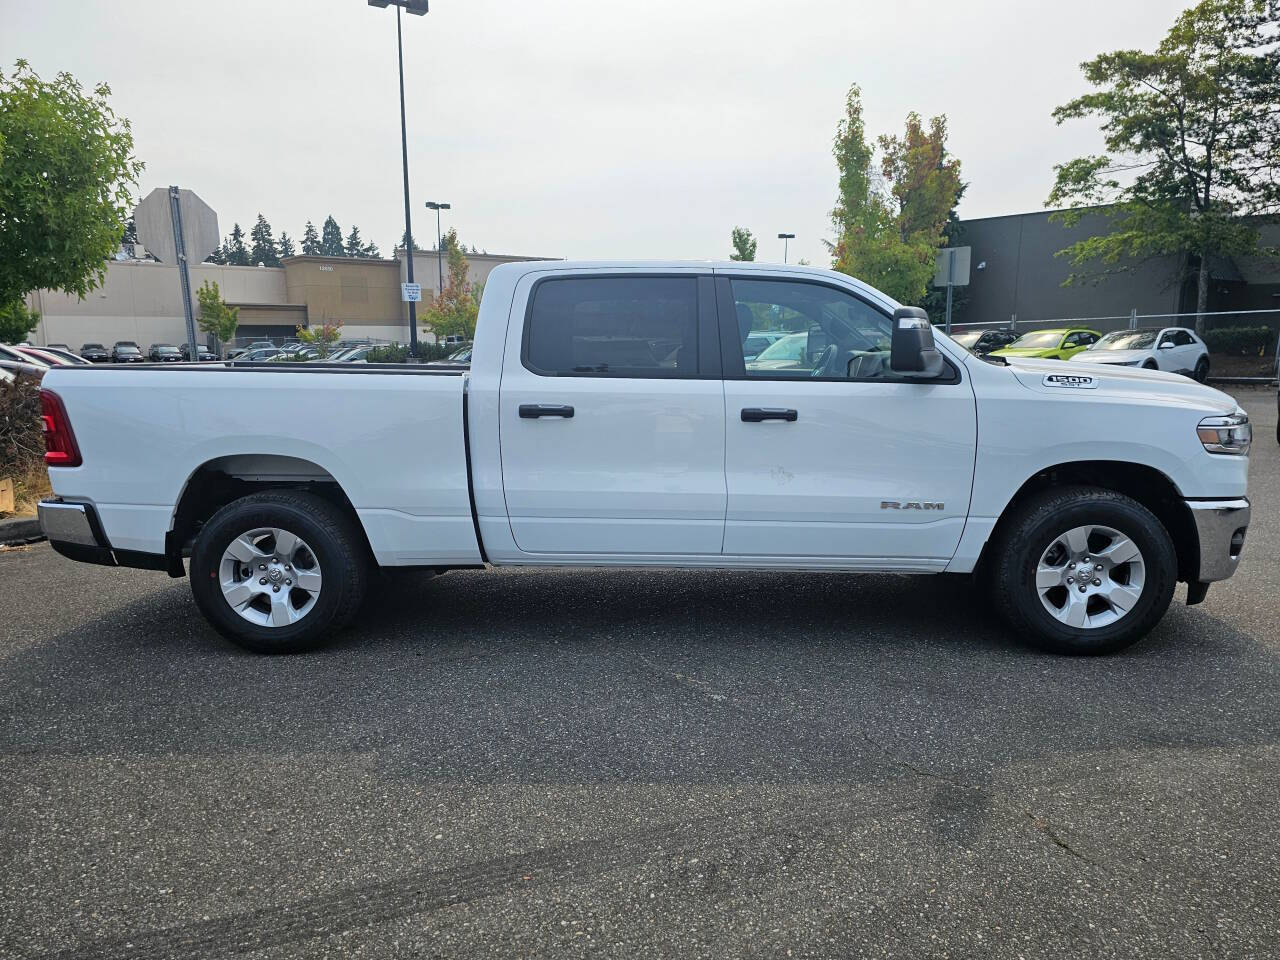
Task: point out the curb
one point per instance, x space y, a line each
20 530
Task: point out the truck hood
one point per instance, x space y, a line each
1112 381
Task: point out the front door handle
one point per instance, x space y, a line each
532 411
756 414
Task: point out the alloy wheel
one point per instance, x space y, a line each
270 577
1090 576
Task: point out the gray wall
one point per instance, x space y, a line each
1023 276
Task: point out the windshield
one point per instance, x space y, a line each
92 346
463 354
1127 340
1045 338
967 340
126 349
166 349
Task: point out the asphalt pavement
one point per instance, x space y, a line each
639 764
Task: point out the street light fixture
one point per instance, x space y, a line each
437 207
784 237
417 8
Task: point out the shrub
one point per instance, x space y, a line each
21 439
1241 341
399 353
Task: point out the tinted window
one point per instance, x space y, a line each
1182 338
614 326
825 332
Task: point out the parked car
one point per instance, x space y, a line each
59 346
259 355
203 353
164 353
49 357
581 436
759 340
126 351
982 342
1175 349
95 353
1060 344
69 356
19 363
459 358
789 352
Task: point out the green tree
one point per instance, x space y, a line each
66 169
354 245
16 322
331 239
453 312
370 251
264 244
416 248
215 316
234 250
935 300
1193 134
744 244
310 241
284 246
889 227
322 337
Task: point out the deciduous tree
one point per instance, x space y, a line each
744 244
453 312
1192 131
16 322
66 169
215 316
322 337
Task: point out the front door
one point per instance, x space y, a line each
612 418
829 454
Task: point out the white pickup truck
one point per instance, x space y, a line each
609 418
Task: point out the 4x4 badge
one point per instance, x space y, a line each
1074 381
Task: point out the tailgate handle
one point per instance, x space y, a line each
532 411
757 414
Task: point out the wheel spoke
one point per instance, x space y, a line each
1048 577
1076 613
1121 550
1078 540
308 580
282 612
239 595
244 549
1122 598
286 544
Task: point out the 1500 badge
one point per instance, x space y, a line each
1073 381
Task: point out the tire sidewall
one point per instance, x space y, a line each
206 561
1129 518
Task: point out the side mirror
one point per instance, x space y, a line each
912 352
1165 345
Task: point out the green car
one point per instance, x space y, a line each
1060 344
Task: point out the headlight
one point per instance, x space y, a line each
1231 434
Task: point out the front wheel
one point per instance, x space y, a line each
278 572
1201 373
1083 570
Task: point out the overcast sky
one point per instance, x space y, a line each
570 127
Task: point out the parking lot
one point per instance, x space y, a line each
629 763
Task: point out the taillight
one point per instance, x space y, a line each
60 448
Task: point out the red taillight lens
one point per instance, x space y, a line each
60 448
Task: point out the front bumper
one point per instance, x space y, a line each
1221 526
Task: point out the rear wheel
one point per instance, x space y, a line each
1201 373
278 572
1084 570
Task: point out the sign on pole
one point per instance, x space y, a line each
178 227
411 292
951 269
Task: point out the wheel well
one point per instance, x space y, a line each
1146 485
219 482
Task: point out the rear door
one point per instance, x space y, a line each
830 456
612 416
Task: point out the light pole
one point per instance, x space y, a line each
417 8
784 237
437 207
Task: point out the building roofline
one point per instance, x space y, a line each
316 258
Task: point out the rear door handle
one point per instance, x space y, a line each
532 411
756 414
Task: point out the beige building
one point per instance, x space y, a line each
141 300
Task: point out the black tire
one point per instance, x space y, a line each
1201 373
332 537
1031 530
1150 365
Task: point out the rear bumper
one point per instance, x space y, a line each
1221 526
75 532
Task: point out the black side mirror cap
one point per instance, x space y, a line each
912 353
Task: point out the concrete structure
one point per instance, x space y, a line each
140 300
1015 270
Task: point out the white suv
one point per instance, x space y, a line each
1175 349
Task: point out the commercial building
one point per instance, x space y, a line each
141 299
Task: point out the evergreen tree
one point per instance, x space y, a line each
235 251
264 244
218 255
371 251
416 248
355 247
310 240
331 239
285 246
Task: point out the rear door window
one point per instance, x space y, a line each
613 327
